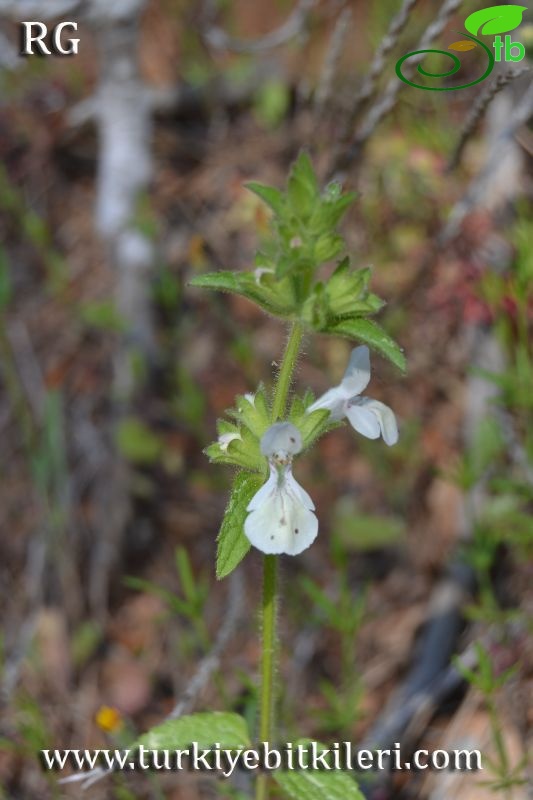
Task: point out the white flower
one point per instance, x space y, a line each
367 416
225 439
281 518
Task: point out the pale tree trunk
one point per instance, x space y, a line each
121 109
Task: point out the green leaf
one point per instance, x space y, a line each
253 411
317 784
364 532
102 315
85 641
302 189
224 281
271 196
271 103
137 442
330 211
370 333
327 606
243 452
496 19
373 303
148 587
185 574
487 445
312 425
5 281
347 294
205 728
272 296
217 455
327 247
232 543
297 408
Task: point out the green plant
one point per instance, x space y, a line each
488 682
189 603
500 460
342 613
295 280
34 229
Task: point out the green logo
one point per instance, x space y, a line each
488 22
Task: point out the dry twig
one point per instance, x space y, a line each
333 54
501 144
389 98
385 47
478 110
211 661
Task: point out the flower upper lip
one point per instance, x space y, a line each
369 417
281 442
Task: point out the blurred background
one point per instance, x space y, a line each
121 176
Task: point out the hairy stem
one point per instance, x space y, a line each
269 610
287 368
270 567
270 572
